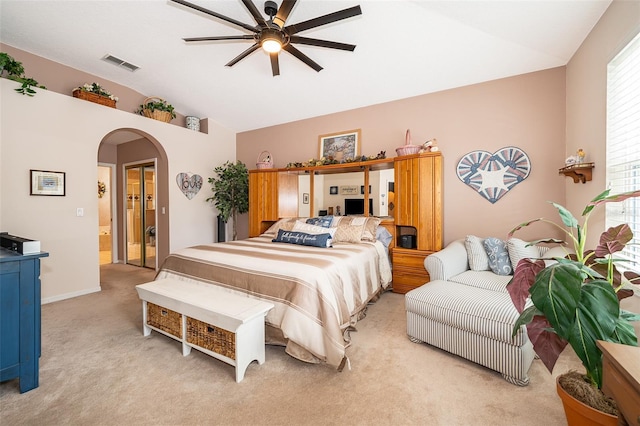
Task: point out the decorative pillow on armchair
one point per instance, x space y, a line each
499 261
476 254
518 250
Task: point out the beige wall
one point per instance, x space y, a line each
526 111
63 79
586 102
56 132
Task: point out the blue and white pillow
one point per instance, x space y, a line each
324 221
307 228
498 254
301 238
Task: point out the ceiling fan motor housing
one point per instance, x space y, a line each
270 8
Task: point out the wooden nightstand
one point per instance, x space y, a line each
408 269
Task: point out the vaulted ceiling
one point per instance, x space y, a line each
404 49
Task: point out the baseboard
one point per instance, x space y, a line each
70 295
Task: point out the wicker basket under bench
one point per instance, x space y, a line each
226 326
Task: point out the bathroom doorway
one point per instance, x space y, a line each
105 212
140 221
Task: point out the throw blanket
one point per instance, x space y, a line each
317 292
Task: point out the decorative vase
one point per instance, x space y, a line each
579 414
193 123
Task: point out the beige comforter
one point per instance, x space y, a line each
317 292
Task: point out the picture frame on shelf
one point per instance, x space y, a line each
333 190
340 146
43 182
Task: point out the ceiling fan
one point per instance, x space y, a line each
272 35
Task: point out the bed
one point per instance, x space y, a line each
319 293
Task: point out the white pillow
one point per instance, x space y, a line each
307 228
476 254
517 251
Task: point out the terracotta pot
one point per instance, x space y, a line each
579 414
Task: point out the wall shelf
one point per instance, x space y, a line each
578 172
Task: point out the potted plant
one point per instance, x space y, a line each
94 92
230 192
157 108
13 70
576 300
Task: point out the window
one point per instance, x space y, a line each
623 144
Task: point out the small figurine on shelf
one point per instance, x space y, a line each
430 146
580 156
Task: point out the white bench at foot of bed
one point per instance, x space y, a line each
224 325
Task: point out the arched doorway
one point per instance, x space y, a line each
126 147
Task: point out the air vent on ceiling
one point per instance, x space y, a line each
121 63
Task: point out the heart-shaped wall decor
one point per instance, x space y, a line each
493 175
189 184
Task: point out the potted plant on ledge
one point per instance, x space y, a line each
95 93
14 70
157 108
576 301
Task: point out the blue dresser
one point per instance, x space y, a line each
20 317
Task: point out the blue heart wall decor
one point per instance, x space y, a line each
189 184
493 175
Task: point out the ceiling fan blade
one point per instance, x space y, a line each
239 37
216 15
323 20
255 12
243 55
283 12
275 64
322 43
304 58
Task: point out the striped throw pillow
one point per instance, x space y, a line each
477 256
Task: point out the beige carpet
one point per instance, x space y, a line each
97 369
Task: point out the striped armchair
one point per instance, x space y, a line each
469 314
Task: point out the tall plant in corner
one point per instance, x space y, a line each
230 189
576 300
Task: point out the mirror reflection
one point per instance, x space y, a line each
344 194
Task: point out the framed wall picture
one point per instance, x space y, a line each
305 198
349 190
340 146
362 189
44 182
333 190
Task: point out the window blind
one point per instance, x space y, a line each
623 145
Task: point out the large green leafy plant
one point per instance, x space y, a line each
576 300
230 191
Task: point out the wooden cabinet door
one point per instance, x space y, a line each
287 195
418 195
407 192
263 201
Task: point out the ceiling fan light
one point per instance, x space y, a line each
271 45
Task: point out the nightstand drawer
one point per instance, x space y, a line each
405 279
410 258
